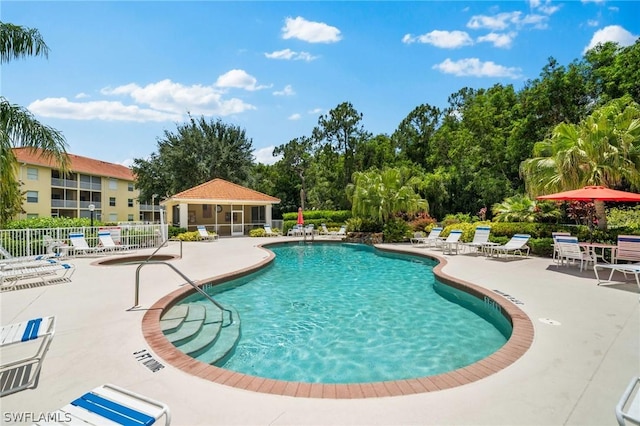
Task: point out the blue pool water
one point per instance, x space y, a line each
341 313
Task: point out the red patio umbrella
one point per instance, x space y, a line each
593 193
300 217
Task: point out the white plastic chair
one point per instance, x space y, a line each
517 244
20 370
204 234
111 404
570 251
628 407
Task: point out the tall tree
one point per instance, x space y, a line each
198 151
296 155
414 136
614 71
341 131
18 127
604 149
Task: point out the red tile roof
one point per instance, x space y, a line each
78 164
220 189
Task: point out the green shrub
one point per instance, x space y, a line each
52 222
625 217
395 230
191 236
174 231
258 232
456 218
420 222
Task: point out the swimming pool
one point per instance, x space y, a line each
345 313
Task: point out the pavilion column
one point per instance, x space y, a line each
267 214
184 215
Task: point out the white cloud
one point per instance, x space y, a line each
592 23
127 163
265 155
316 111
475 68
502 21
239 79
498 40
173 97
443 39
98 110
547 8
309 31
287 91
613 33
289 54
294 117
81 95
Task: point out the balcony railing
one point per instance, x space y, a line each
91 186
67 204
67 183
149 208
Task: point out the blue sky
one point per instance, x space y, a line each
121 73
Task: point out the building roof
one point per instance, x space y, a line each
77 164
222 190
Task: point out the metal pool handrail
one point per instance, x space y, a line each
198 289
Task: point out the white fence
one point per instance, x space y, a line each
30 242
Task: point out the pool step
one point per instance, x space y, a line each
189 327
227 340
174 318
196 330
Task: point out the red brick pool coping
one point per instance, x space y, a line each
519 342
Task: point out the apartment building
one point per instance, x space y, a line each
107 189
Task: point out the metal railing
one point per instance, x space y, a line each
31 242
136 303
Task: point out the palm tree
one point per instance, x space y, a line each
18 127
604 149
379 195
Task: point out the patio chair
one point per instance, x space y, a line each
55 247
24 346
451 243
555 246
295 231
44 271
270 232
111 404
433 238
480 239
323 230
80 246
205 235
342 232
629 268
107 243
417 239
570 251
628 407
517 244
628 249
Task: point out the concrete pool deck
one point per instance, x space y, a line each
586 347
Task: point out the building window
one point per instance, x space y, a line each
258 214
130 218
112 201
130 186
32 174
113 217
32 215
113 184
130 203
207 211
32 196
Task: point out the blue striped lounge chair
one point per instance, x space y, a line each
480 239
628 248
111 404
21 371
205 235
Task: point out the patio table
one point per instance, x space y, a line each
592 249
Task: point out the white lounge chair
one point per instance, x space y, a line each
111 404
270 232
517 244
570 251
431 240
629 268
554 235
295 231
205 235
24 346
628 248
451 243
107 243
80 245
323 230
45 271
342 232
628 407
480 240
